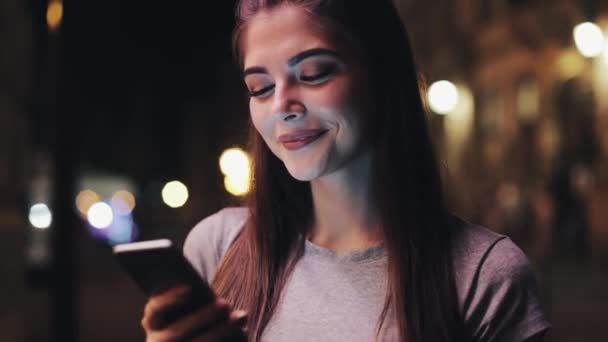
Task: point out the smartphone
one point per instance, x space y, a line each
157 265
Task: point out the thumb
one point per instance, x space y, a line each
239 317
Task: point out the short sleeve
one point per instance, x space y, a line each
503 301
207 242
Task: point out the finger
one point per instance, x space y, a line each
161 300
200 320
158 305
239 317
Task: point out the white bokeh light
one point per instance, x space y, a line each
175 194
237 186
40 216
589 39
100 215
443 97
235 164
233 160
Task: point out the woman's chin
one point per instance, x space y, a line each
303 174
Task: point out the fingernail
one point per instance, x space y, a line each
238 314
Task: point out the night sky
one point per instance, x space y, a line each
119 74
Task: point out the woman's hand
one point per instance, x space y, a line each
212 322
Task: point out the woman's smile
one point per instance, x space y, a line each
300 138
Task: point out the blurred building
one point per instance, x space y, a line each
532 161
16 60
529 156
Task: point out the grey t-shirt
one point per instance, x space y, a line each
339 296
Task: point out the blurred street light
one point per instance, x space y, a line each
40 216
85 199
123 202
100 215
465 105
459 120
237 186
175 194
235 164
54 14
233 160
570 64
443 97
589 39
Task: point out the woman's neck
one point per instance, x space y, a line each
345 218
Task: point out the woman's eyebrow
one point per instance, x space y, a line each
310 53
293 61
254 70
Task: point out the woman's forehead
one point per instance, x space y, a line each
279 33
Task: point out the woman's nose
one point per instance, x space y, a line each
287 104
292 115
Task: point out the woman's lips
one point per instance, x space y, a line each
298 139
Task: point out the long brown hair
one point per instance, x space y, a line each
407 189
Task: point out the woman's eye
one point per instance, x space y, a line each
318 77
262 91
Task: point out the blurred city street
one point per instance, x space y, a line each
122 121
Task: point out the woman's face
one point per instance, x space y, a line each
308 97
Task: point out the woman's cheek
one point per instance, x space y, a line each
264 124
258 118
339 99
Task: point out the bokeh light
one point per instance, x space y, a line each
508 196
570 64
528 101
458 124
85 199
589 39
175 194
123 202
100 215
122 230
465 106
54 14
443 97
233 160
235 164
40 216
237 186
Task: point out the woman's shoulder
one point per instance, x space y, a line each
478 250
472 242
496 285
209 240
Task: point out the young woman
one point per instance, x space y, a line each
345 237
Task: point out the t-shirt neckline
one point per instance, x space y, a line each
322 253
